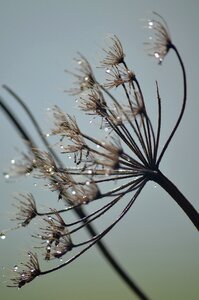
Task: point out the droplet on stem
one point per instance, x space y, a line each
2 235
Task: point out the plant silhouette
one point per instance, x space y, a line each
128 155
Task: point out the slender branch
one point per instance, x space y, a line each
20 128
183 105
159 124
33 120
180 199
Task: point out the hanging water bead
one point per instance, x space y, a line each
2 236
15 268
6 175
150 24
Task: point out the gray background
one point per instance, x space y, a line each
156 243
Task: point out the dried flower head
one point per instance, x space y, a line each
114 54
93 103
30 271
160 42
118 75
26 209
85 77
65 125
45 163
55 236
21 167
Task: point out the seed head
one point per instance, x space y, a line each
160 40
56 237
26 209
114 53
30 271
85 77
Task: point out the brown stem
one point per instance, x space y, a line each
180 199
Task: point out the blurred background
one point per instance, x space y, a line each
155 243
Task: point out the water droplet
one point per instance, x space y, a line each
108 71
98 146
69 156
12 161
91 121
61 259
106 129
35 184
61 146
7 176
88 182
90 171
155 186
15 268
150 24
47 134
2 235
48 109
27 173
73 192
157 55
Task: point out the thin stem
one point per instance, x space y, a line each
183 105
20 128
33 120
180 199
159 124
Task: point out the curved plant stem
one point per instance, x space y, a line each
79 211
183 105
180 199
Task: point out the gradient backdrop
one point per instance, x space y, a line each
156 243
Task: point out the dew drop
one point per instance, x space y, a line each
73 192
106 129
15 268
155 186
108 71
47 134
98 146
48 109
7 176
2 235
88 182
91 121
157 55
35 184
61 259
150 24
12 161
